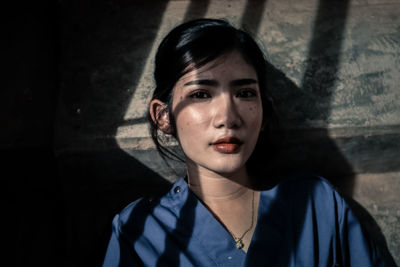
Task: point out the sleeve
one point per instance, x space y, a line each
119 252
357 246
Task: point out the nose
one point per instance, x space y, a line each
226 112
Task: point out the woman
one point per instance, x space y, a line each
212 96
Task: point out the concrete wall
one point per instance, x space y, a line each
337 69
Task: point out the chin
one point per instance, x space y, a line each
225 167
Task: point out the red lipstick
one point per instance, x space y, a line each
227 145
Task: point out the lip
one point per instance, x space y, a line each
227 145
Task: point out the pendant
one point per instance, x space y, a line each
239 243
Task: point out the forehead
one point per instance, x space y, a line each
230 66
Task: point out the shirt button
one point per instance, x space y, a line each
177 189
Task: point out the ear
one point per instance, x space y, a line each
160 115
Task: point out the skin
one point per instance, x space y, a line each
221 99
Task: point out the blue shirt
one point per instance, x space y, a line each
301 222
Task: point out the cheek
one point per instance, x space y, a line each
253 114
190 121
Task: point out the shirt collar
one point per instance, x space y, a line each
203 227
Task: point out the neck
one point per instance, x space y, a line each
230 198
215 187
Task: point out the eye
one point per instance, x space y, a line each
200 94
246 93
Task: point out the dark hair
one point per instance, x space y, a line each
190 46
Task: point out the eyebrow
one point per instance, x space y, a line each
202 82
239 82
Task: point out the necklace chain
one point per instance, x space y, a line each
239 240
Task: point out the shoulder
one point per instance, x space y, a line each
138 213
306 180
308 185
304 184
131 217
310 199
311 192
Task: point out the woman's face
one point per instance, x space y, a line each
218 114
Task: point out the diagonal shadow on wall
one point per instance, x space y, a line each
196 9
252 15
313 150
307 148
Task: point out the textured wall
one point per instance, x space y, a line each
337 71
